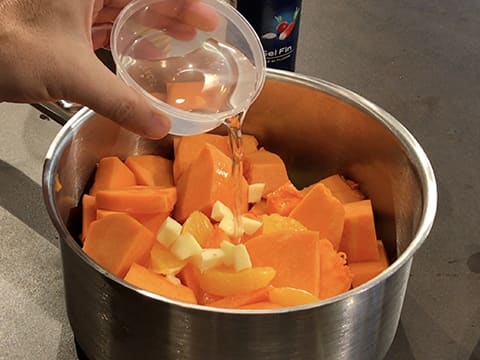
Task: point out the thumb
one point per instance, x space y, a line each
92 84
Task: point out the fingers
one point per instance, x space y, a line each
101 36
107 15
200 16
180 18
154 20
116 3
93 85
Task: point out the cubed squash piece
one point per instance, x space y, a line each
112 173
138 199
359 239
283 200
319 210
335 275
207 180
263 166
343 190
151 221
367 270
275 222
117 241
187 149
145 279
152 170
249 144
293 255
89 214
104 213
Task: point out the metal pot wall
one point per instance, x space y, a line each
319 129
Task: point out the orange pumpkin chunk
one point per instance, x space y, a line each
293 255
152 170
158 284
89 214
283 200
117 241
151 221
359 239
138 199
263 166
112 173
319 210
342 189
187 149
207 180
367 270
335 275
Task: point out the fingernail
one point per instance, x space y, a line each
159 126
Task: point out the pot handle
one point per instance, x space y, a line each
60 111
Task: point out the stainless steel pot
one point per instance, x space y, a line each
319 129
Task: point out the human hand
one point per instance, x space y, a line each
47 54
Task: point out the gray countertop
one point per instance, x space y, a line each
419 60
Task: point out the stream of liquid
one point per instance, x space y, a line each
234 125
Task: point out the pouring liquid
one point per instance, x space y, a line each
234 125
202 76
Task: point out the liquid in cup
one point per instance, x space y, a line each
199 83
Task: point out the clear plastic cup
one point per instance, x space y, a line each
198 82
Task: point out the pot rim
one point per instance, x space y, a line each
414 151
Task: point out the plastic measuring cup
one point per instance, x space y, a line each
198 82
